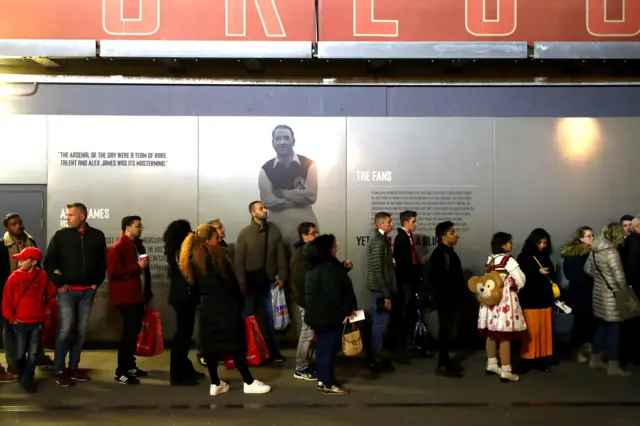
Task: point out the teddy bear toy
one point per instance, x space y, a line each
488 288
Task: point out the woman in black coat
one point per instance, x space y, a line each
184 300
329 299
575 256
222 328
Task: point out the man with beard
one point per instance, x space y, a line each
261 265
14 241
288 185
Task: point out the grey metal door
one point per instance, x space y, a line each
29 202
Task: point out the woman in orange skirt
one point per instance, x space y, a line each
536 300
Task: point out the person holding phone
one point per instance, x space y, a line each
536 300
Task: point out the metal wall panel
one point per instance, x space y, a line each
23 139
232 153
560 174
441 168
344 101
104 162
514 101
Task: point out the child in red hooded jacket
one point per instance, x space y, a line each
24 303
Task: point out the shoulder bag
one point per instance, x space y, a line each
554 287
626 299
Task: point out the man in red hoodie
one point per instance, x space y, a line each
127 262
24 302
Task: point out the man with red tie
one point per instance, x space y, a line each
407 270
381 282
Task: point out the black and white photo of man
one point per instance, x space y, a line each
288 185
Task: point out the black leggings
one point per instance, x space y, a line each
240 360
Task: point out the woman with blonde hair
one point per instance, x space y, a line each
222 329
605 266
575 255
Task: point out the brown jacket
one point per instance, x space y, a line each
249 253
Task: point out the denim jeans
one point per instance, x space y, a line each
256 302
606 340
378 327
26 345
72 306
326 349
304 343
7 343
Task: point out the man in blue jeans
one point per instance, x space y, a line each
381 282
76 263
261 266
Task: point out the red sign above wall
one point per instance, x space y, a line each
250 20
479 20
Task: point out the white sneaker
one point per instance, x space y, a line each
217 390
257 387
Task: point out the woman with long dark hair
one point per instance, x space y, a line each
536 300
184 300
222 328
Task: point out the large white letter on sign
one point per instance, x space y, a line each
146 22
503 25
366 25
601 24
235 18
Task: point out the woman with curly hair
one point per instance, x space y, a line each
536 300
575 254
205 265
184 300
605 266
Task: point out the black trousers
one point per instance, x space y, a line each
180 367
131 325
446 317
239 359
630 341
400 324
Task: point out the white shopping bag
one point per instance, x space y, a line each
281 318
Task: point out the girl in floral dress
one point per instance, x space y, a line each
502 322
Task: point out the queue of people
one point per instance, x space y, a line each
216 289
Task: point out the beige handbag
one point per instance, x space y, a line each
352 341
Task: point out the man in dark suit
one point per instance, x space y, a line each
445 271
407 270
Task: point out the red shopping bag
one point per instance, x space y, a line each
150 339
257 351
50 327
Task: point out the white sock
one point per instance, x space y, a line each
506 368
492 361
